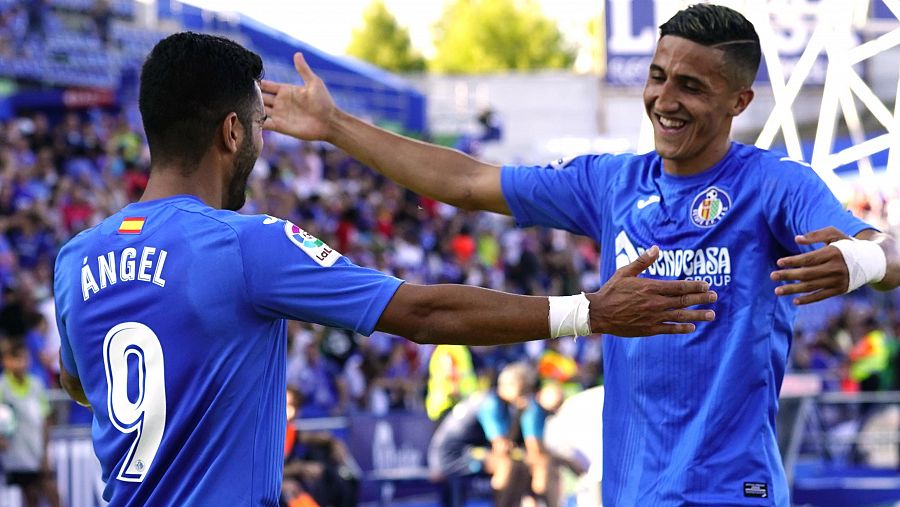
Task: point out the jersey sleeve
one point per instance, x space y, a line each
291 274
566 195
533 418
65 348
491 417
799 202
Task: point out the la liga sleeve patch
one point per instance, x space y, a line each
315 248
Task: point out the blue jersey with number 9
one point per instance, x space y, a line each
172 314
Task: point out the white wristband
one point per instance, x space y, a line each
865 261
569 316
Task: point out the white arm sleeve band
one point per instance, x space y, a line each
865 261
569 316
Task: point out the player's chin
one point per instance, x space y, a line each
670 149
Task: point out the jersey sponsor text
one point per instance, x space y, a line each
711 264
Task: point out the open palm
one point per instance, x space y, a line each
302 111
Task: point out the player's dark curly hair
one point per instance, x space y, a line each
189 83
722 28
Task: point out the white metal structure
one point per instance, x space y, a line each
835 27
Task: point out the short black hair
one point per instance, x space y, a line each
189 83
722 28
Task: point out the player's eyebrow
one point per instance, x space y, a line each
682 78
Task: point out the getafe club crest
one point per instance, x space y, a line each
710 206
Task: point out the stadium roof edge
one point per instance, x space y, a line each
366 69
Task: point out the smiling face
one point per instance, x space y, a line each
691 104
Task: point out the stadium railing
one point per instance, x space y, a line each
844 449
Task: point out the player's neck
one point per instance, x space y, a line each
171 180
699 163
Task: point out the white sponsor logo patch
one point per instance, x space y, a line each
323 254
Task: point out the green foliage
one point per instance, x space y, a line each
480 36
383 42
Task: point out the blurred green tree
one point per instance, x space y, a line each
480 36
383 42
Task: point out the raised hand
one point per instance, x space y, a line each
630 306
819 274
301 111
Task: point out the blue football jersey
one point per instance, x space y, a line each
690 419
171 314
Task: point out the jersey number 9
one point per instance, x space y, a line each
145 416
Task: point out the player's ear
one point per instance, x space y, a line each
741 101
231 133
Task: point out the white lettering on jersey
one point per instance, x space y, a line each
88 284
269 220
315 248
151 260
711 264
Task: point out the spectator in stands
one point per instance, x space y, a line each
398 377
15 313
35 28
451 378
102 15
33 240
316 465
868 359
318 379
7 31
546 472
499 432
25 460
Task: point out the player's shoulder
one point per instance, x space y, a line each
775 166
226 221
594 161
77 242
760 166
253 227
767 160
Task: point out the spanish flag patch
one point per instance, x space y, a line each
131 225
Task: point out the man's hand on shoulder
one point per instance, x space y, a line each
630 306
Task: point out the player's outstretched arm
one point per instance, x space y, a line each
625 306
308 112
841 266
72 385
